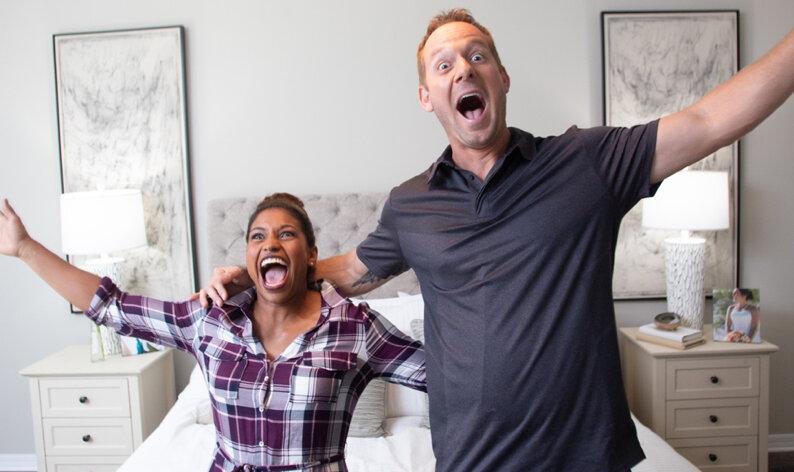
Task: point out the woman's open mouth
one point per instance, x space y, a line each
274 272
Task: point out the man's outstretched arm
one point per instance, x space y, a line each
348 274
726 113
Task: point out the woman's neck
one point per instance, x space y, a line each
304 305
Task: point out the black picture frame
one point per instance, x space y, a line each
121 102
655 63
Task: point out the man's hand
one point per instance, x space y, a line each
12 232
225 282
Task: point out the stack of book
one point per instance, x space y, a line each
679 338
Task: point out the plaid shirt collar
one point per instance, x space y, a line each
235 315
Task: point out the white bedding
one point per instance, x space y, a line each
183 443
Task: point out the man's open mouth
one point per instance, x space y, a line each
274 272
471 106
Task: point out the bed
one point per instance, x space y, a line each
185 439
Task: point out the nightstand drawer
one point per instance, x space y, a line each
84 464
734 454
87 436
718 417
84 397
712 377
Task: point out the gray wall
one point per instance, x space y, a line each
295 92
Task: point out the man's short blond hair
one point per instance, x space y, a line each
452 16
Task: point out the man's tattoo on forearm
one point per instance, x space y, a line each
368 278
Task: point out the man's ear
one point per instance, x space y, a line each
505 79
424 98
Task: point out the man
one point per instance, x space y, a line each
512 238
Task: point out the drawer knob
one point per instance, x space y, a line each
712 457
83 399
715 379
87 438
713 418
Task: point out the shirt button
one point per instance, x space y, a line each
261 443
261 408
267 379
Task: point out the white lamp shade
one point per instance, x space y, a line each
101 222
689 200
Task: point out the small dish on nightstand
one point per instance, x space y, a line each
667 321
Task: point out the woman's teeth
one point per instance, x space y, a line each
274 272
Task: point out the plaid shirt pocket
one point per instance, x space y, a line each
317 375
224 364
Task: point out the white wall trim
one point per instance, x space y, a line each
20 462
781 442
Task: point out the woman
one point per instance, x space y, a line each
742 318
284 362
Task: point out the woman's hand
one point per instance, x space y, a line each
12 232
225 282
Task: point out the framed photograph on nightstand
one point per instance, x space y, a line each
737 315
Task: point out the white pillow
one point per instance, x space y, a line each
196 392
398 310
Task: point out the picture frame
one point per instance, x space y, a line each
122 122
655 63
736 315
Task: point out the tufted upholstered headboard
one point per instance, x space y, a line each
340 222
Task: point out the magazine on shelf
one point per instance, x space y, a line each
668 342
682 334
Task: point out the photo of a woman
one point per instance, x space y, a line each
743 318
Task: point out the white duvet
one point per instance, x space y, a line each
183 443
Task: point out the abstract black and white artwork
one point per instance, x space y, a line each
122 123
654 64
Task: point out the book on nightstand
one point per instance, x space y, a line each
679 338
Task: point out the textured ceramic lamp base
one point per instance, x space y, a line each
684 265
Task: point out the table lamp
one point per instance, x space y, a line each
95 224
688 201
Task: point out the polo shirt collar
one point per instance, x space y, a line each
519 140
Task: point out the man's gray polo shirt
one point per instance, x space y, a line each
516 273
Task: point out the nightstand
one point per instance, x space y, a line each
90 416
710 402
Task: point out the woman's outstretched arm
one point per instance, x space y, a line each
73 284
172 324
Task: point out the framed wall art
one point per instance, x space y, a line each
122 124
654 64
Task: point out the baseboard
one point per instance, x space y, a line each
18 463
781 442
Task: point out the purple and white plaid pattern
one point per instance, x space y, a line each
292 413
